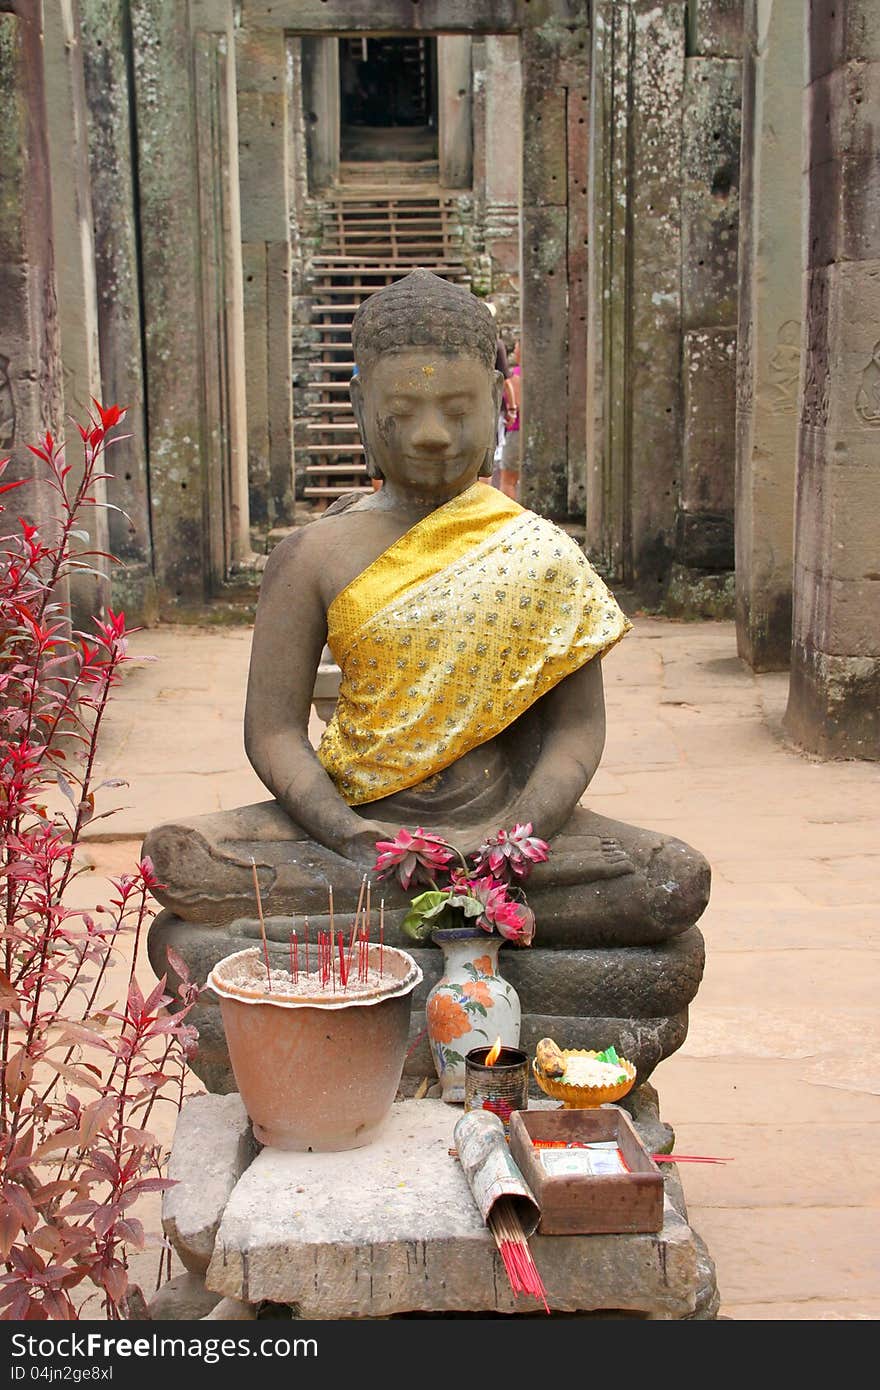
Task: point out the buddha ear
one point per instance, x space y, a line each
356 392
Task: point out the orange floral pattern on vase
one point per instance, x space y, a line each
447 1020
476 989
484 965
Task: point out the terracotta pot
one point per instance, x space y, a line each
318 1075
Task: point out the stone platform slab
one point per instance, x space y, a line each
392 1228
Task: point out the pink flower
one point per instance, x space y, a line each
511 919
516 922
415 857
511 853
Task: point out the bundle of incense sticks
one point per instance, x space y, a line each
331 945
513 1247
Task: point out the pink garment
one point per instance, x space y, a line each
514 423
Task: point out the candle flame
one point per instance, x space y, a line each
494 1053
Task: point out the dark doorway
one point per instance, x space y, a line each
388 99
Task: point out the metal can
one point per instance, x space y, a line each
501 1088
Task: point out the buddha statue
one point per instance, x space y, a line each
470 634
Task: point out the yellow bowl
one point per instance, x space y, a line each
584 1097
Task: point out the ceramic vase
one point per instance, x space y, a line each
470 1005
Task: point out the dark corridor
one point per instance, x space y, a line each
388 98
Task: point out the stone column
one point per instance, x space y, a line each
75 278
576 76
264 155
107 57
834 694
321 99
170 261
222 286
30 365
768 347
634 355
548 51
455 110
499 76
701 579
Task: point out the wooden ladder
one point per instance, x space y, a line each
371 237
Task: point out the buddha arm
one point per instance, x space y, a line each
289 636
573 737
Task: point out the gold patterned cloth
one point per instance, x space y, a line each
452 634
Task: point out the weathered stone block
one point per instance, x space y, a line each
259 59
545 306
262 145
838 32
695 593
648 349
715 28
118 297
213 1145
182 1299
705 541
710 191
707 485
834 703
30 364
298 1230
169 246
769 339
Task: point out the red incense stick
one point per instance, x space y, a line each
381 937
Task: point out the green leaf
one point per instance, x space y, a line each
471 907
430 902
415 926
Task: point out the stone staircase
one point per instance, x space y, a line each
372 235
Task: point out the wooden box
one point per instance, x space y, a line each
584 1204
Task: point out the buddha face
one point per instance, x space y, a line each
427 419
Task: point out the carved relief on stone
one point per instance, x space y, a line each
868 394
815 406
785 367
7 406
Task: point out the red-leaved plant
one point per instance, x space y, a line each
82 1064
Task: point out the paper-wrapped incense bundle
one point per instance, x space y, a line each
490 1170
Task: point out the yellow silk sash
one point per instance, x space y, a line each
452 634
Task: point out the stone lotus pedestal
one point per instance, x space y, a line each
393 1229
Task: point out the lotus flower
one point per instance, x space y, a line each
511 853
511 919
414 856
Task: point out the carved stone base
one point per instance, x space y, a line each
394 1230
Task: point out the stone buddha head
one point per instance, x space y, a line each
427 395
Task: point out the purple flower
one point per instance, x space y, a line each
415 857
511 853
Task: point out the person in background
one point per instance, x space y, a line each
507 401
511 454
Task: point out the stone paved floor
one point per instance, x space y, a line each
780 1070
